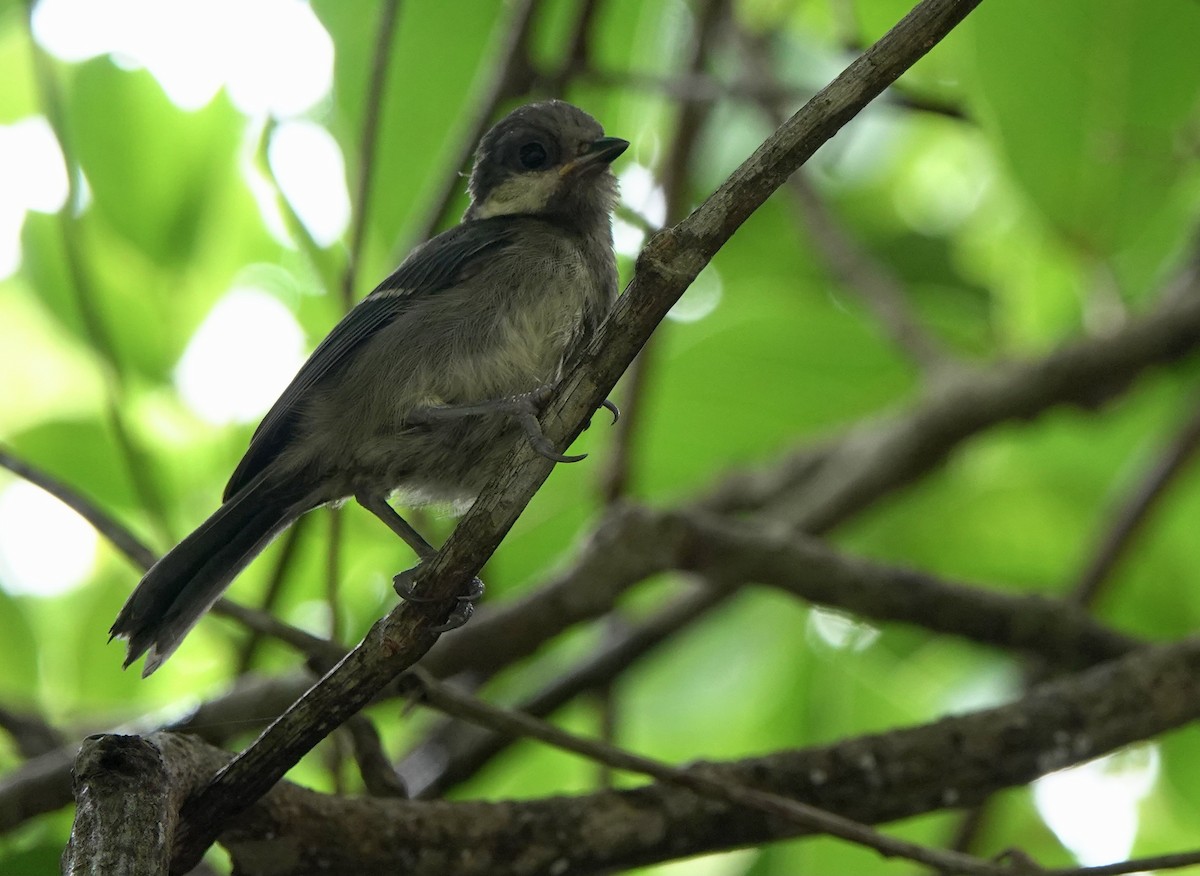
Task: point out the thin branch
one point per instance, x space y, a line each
333 576
116 533
850 264
859 272
322 652
368 143
705 88
1133 865
675 178
378 774
1133 512
32 734
513 76
274 590
807 818
578 54
83 292
453 752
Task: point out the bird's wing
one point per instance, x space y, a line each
439 264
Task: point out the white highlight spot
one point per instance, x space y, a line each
241 357
33 176
642 194
45 547
840 631
273 56
627 239
1093 808
700 299
308 164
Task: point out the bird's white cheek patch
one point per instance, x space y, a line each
527 193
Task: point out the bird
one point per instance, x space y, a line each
422 390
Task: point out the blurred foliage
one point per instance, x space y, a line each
1057 196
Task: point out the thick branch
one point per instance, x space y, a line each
877 458
953 762
124 815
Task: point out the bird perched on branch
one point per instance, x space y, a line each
424 387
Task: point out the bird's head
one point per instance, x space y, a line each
546 159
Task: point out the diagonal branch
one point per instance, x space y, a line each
1133 513
806 818
513 75
368 144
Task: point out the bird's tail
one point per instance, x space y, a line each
184 584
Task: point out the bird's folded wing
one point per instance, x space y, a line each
442 262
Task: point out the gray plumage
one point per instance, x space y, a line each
483 312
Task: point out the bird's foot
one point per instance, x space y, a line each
464 603
523 408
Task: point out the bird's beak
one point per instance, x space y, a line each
600 153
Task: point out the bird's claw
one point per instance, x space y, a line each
459 615
609 406
464 603
537 438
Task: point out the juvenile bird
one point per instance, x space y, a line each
426 384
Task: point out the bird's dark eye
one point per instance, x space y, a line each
532 155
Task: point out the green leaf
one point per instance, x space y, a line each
1089 101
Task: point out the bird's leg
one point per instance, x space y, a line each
523 408
378 506
403 583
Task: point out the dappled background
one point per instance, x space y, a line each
1034 180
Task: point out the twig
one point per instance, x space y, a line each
368 143
142 557
99 338
378 774
32 734
333 576
459 751
706 88
578 54
513 76
322 652
1133 512
617 475
117 534
279 573
810 818
860 272
854 268
1133 865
